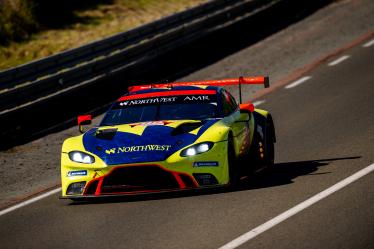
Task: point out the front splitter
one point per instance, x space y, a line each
145 193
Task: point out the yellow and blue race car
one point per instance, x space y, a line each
166 137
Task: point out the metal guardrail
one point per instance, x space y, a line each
29 83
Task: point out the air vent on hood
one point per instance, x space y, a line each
106 134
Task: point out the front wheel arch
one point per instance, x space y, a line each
266 135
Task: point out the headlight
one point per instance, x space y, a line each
197 149
81 157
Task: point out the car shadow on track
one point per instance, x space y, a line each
285 173
280 174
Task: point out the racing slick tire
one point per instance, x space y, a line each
261 153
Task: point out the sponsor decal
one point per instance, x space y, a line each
197 98
148 101
205 164
77 173
151 123
136 148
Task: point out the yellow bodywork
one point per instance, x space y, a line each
241 132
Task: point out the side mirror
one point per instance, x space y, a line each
245 112
249 107
84 120
244 117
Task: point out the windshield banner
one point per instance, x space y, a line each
185 99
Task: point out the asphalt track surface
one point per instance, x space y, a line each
325 133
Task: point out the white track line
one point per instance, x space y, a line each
289 213
368 44
298 82
257 103
339 60
29 201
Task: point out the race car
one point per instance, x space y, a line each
167 137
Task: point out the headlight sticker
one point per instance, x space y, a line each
77 173
205 164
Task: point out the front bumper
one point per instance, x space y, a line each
174 174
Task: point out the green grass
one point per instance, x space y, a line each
85 24
16 20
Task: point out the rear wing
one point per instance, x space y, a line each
258 80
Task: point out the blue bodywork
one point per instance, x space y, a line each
160 139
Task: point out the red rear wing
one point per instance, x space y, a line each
259 80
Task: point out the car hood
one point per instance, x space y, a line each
143 142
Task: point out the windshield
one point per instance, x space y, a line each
196 107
